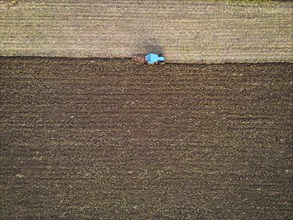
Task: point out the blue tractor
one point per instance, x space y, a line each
152 58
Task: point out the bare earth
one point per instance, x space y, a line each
187 31
110 139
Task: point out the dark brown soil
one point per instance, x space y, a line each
111 139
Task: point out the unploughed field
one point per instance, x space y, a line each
112 139
186 31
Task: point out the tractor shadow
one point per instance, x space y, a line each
150 45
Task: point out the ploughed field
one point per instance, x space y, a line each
114 139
